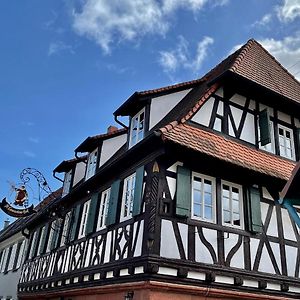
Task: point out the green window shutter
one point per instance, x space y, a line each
74 222
264 127
183 192
113 203
90 225
254 211
138 190
43 241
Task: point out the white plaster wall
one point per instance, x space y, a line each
160 106
168 246
284 117
203 115
238 99
9 281
248 132
110 147
79 172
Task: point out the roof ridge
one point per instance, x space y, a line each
245 50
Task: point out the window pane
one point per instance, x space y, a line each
226 205
208 199
208 212
197 196
235 206
207 186
226 217
197 183
197 210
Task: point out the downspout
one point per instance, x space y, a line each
119 122
53 174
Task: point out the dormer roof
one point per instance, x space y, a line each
91 142
67 165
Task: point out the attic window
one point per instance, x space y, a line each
137 128
91 165
67 183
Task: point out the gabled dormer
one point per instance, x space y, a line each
101 148
147 110
73 170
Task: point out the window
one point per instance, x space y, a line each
51 235
103 209
127 198
42 237
92 164
67 183
270 147
203 197
20 253
12 257
286 142
65 229
137 128
33 241
231 204
84 218
4 258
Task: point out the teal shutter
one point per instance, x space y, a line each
138 191
74 223
254 211
183 192
43 241
113 203
264 127
90 225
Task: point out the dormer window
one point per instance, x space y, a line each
67 183
137 128
92 164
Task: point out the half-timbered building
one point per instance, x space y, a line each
183 203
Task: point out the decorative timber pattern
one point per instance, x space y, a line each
118 244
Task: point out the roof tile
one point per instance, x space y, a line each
225 149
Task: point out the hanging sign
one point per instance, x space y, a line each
18 209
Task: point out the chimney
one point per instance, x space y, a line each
112 129
6 223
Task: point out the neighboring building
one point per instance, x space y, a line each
12 246
183 204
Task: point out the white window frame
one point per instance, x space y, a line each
84 217
20 255
4 259
241 203
12 257
103 209
286 129
134 139
213 194
67 183
128 197
65 228
92 164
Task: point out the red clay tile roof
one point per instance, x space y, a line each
92 141
257 64
220 147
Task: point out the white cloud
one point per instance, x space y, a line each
29 154
264 21
289 11
33 140
180 57
286 51
59 46
109 22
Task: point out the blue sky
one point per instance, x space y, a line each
65 66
